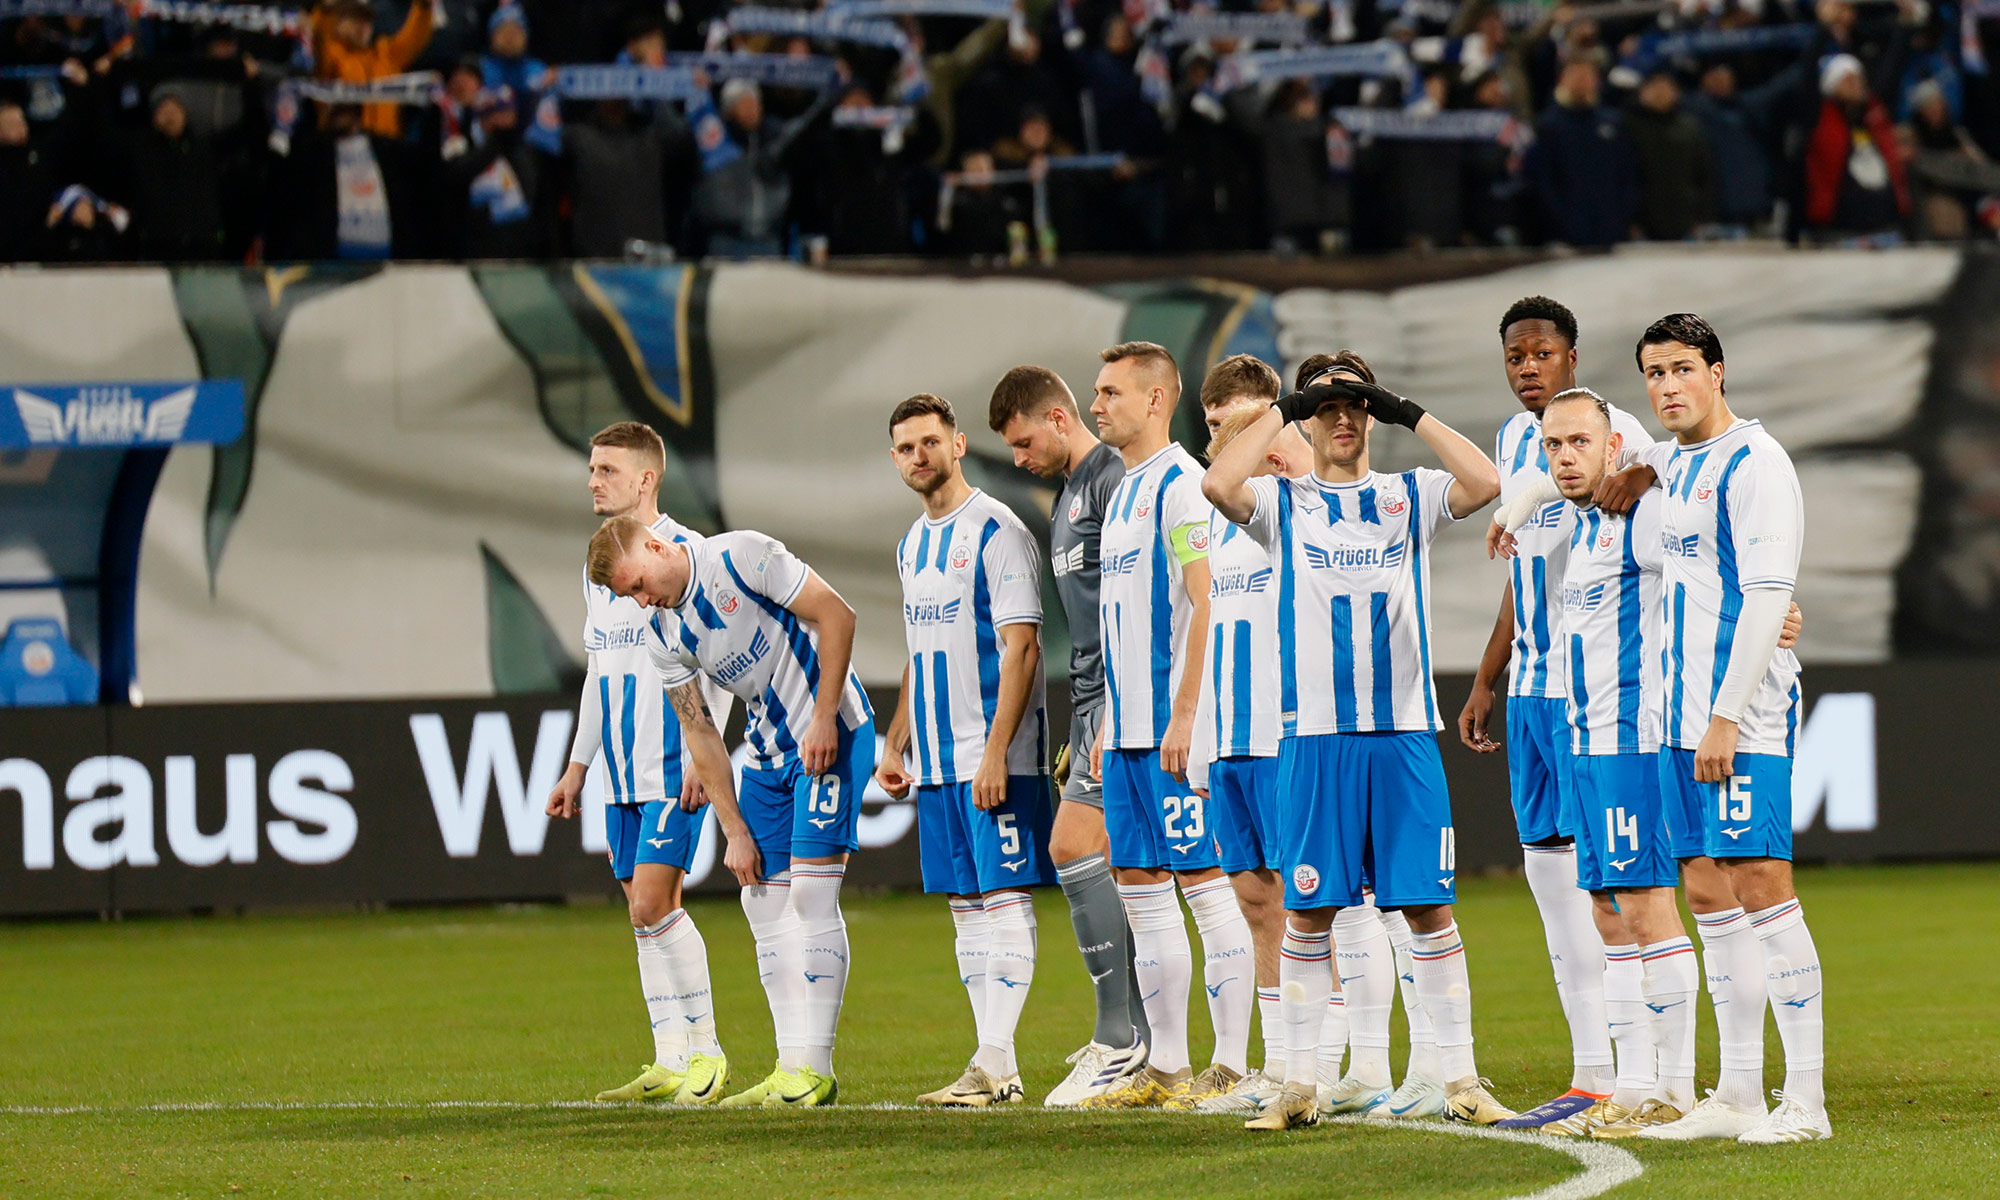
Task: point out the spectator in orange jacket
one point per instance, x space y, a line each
346 48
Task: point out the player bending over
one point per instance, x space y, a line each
971 707
652 815
742 610
1359 774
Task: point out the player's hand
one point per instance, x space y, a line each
742 859
1381 403
892 776
1473 718
819 746
1715 758
568 790
1174 747
1795 622
1097 754
1618 492
1305 403
693 795
1500 543
989 783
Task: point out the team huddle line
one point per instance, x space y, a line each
1254 728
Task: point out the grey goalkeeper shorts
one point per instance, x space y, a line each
1083 787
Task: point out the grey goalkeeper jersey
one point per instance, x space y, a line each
1079 512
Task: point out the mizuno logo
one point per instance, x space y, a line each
1215 989
1014 864
732 668
1619 864
692 1020
656 843
1736 833
812 978
1356 558
1800 1003
821 822
1411 979
1660 1008
930 612
1121 564
1184 847
1011 983
104 416
1446 881
1349 978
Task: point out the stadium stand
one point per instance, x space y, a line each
162 131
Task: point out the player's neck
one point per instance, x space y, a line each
679 554
1714 425
646 513
1329 471
1150 441
949 498
1081 443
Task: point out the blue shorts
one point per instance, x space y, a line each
1682 807
1243 798
967 852
654 832
793 814
1155 822
1622 841
1361 808
1748 817
1538 768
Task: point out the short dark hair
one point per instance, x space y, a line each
1687 329
1541 308
1027 391
1340 360
1239 375
638 437
921 405
1148 354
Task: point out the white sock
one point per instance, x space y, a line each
781 963
1423 1041
1576 952
1332 1040
663 998
1670 983
1228 968
1366 963
1734 964
1631 1026
969 939
1791 969
1305 981
823 934
1165 966
1445 989
1271 1020
1010 971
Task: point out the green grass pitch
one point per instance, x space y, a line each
526 1007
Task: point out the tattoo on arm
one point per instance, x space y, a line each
691 706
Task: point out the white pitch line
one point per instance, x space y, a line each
1604 1167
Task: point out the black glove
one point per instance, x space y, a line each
1302 405
1383 404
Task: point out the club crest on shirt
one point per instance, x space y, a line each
1704 488
728 602
1392 504
1604 542
1305 878
1075 507
1198 538
1145 506
961 557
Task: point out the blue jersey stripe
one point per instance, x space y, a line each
605 739
947 749
1114 620
1631 644
1540 617
923 549
1162 639
1417 559
982 617
670 746
1579 690
1725 562
944 545
1344 704
1239 684
798 642
1217 648
1288 666
920 711
628 729
1368 515
1677 657
1383 701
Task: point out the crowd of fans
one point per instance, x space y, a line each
1093 125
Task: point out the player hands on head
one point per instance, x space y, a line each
742 610
971 704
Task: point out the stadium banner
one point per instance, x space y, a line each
118 415
188 807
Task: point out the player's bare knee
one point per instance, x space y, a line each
1430 918
1708 889
1310 920
1759 883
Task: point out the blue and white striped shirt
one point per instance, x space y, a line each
1353 569
1611 629
624 712
1156 523
1238 717
733 626
966 576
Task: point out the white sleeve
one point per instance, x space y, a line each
663 645
1766 523
1638 440
1184 514
1757 630
767 567
589 720
1434 494
1014 576
1659 456
1263 523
